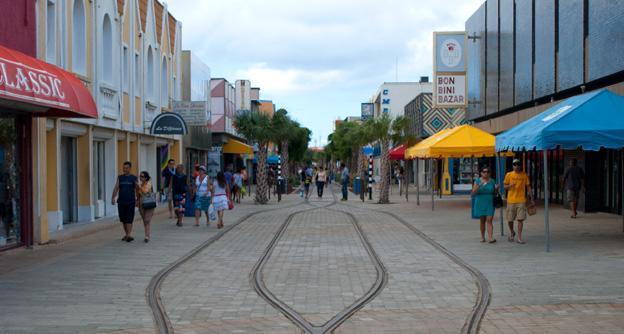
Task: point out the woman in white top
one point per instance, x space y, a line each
221 196
321 178
202 195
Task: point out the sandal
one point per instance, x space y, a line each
482 240
146 240
511 237
124 238
129 239
492 241
522 242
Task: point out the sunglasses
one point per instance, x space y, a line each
485 171
516 164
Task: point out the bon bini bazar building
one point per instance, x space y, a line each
80 83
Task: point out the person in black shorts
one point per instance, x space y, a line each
127 187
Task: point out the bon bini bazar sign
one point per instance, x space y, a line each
449 65
22 82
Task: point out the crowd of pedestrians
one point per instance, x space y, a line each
210 197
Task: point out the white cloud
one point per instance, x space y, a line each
287 81
320 59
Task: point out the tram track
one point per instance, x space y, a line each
152 292
257 280
472 324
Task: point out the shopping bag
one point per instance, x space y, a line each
530 207
212 213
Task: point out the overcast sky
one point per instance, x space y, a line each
318 59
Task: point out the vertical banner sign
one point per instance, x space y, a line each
449 67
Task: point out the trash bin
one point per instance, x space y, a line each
357 186
282 186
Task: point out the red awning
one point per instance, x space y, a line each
398 153
42 89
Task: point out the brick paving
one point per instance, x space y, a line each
213 288
96 283
319 267
426 292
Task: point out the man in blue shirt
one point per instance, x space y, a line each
344 179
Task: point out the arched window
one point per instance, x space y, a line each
164 84
150 73
107 50
79 38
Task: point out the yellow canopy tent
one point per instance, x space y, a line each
234 146
460 141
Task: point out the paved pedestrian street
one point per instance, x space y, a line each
344 267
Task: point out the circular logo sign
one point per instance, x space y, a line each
450 52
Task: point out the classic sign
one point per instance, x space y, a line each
18 80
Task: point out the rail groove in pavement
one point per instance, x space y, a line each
472 324
257 280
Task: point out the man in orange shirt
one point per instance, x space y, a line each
518 186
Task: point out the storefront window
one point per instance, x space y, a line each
9 186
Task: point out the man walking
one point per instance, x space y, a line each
573 180
127 187
516 184
167 174
344 179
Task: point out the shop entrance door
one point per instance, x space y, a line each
10 228
68 189
603 182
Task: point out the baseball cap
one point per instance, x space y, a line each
202 167
516 162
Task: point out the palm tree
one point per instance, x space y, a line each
283 132
386 131
256 127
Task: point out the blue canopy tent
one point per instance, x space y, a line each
591 121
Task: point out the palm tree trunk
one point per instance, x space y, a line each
261 177
285 161
384 195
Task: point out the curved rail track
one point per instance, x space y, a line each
471 325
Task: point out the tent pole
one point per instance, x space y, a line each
440 169
622 190
417 182
546 200
432 188
499 176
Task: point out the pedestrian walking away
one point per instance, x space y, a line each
321 179
147 202
483 191
238 186
518 187
307 181
344 180
244 189
201 191
220 198
127 188
167 175
573 180
179 189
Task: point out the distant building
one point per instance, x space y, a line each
391 97
267 107
243 95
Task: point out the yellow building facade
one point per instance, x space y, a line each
127 53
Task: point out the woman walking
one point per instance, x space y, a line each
178 191
238 186
483 191
220 198
202 195
147 202
321 178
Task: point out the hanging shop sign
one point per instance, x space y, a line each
449 66
168 123
193 112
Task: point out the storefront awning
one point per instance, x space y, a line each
460 141
41 89
590 121
234 146
398 153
